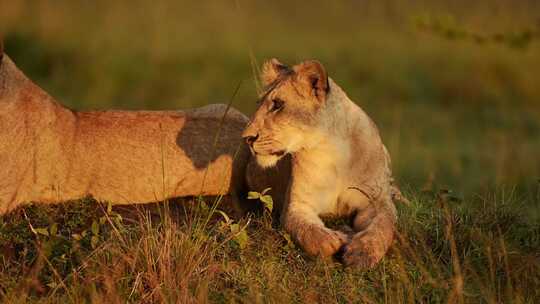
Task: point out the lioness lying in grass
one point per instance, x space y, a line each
340 167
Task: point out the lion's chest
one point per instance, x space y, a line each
321 177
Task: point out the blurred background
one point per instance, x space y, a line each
454 86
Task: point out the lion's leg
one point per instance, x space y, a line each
308 230
375 227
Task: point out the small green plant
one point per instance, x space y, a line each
265 198
238 233
96 230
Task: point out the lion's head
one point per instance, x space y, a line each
288 117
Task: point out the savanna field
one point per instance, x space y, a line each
454 87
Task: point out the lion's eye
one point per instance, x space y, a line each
277 104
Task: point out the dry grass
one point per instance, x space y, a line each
446 251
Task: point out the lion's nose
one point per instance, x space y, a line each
250 139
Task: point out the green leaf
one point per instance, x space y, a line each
265 191
76 236
42 231
94 241
47 247
240 235
225 216
235 228
102 220
53 229
253 195
118 220
203 206
95 228
242 239
109 208
268 202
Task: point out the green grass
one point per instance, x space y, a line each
452 85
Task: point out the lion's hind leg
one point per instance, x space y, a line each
374 227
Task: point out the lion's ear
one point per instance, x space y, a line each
272 70
313 74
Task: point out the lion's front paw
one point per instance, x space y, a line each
322 242
363 252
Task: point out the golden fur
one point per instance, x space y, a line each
340 167
50 154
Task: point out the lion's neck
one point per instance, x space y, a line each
329 143
340 115
341 122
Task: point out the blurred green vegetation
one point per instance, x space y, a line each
453 85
